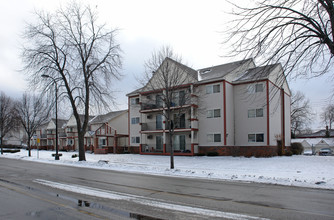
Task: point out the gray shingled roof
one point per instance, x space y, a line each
191 72
320 133
61 122
106 117
257 73
221 70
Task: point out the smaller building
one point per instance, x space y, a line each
316 141
108 133
315 144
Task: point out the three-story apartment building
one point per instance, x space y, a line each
232 109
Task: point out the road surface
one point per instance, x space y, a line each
31 190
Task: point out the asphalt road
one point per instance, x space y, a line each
31 190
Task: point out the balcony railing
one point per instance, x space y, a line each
153 148
150 106
151 126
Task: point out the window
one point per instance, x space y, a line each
158 122
159 142
70 142
255 113
179 121
213 113
255 88
158 101
256 137
102 142
179 98
179 142
212 89
135 140
135 120
259 88
214 137
134 101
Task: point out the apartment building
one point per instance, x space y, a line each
232 109
107 133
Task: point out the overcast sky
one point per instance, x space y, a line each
194 28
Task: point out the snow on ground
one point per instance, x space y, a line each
301 171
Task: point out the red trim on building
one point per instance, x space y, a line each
224 102
268 113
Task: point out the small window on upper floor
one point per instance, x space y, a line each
212 89
255 113
134 101
254 88
213 113
135 120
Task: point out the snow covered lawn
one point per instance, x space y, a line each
302 171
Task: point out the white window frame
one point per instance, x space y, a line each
255 139
255 113
213 113
211 137
135 120
135 140
133 101
255 88
215 88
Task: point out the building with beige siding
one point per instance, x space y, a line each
233 109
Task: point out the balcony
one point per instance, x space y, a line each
151 126
150 107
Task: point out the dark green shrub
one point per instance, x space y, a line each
288 153
200 154
297 148
74 155
212 154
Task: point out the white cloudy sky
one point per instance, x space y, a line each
194 28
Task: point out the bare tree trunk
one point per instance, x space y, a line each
81 138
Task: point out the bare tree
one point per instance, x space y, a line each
166 76
32 112
327 116
300 112
80 55
8 119
297 33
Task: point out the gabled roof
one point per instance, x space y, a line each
191 72
61 122
192 75
220 71
257 73
106 117
318 134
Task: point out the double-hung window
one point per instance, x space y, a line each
135 120
255 113
256 137
214 138
212 89
213 113
135 140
